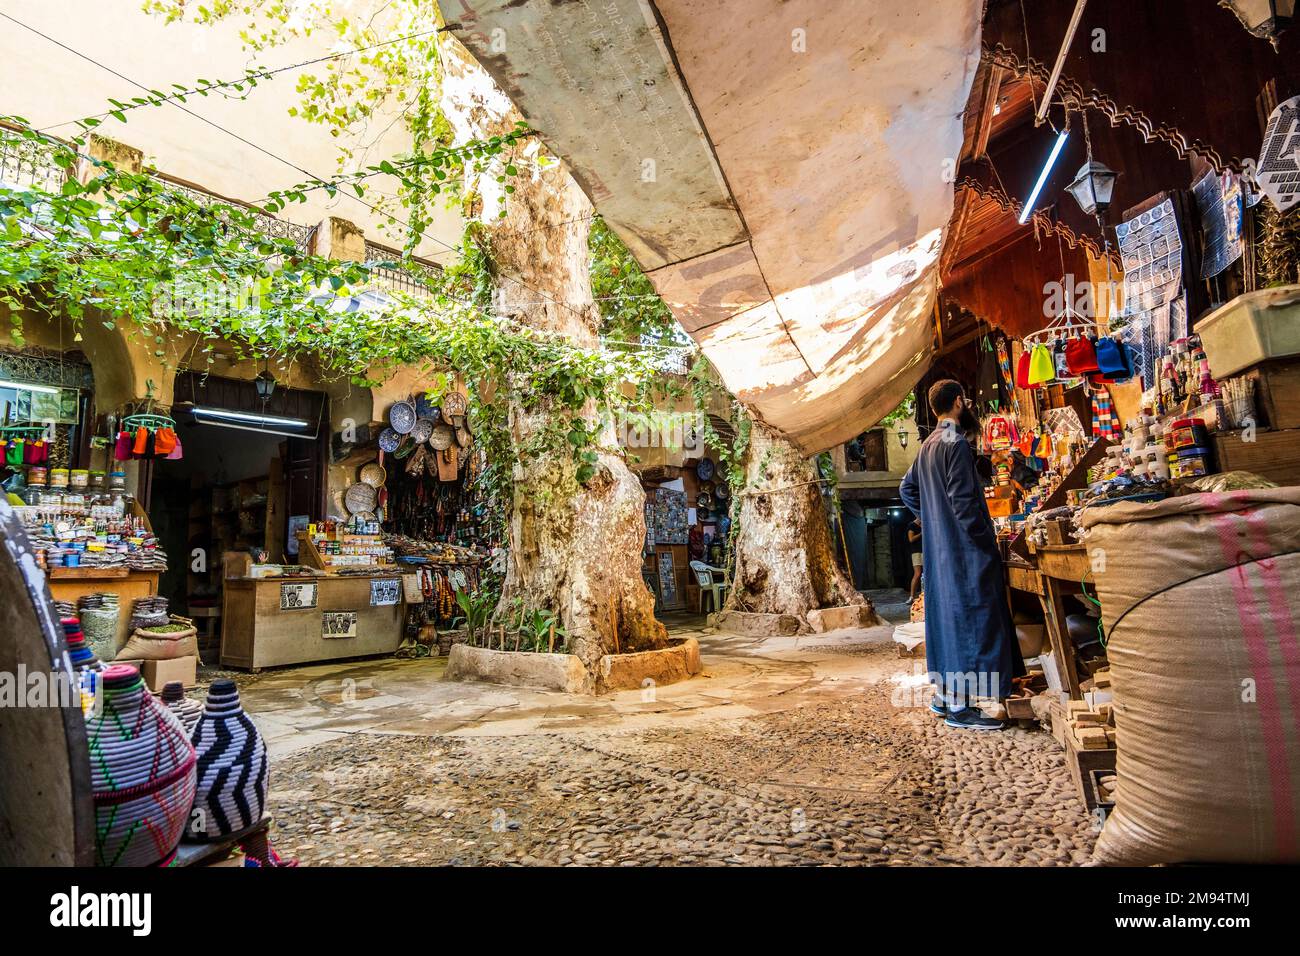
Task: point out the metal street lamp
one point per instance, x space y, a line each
1093 186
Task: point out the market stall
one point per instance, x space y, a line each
417 535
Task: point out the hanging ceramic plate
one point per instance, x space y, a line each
704 501
374 474
722 492
701 514
453 403
402 417
360 497
407 446
422 430
443 436
704 469
389 439
425 407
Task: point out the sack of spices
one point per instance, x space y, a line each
162 642
1200 596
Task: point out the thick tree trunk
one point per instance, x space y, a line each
785 557
574 548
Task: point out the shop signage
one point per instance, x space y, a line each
296 596
385 592
336 624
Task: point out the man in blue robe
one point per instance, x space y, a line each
970 642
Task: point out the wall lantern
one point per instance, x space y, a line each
902 438
1092 187
1263 18
265 385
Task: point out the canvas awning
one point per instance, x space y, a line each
782 171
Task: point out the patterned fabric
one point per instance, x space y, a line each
142 773
1105 423
232 767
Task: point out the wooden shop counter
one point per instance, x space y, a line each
273 621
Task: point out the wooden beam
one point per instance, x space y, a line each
988 110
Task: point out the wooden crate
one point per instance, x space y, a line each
1274 455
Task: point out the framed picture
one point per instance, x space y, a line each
296 523
670 598
297 596
338 624
385 592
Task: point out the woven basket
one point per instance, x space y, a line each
187 711
232 767
142 773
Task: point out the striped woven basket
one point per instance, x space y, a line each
142 773
232 767
185 708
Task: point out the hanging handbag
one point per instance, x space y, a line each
1081 356
1041 367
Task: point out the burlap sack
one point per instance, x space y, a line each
1200 599
154 646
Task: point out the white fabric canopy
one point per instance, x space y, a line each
782 171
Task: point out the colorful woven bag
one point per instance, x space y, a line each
142 773
232 767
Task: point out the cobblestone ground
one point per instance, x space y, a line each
853 781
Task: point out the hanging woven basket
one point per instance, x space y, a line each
142 773
232 767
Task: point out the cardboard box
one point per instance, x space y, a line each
157 674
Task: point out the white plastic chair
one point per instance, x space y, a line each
716 590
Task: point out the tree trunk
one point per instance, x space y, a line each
785 556
574 548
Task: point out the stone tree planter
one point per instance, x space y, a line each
566 673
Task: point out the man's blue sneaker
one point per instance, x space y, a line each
938 707
972 718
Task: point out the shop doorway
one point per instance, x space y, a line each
247 466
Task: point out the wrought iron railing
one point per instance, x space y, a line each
28 163
414 278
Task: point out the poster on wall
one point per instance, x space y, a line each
670 598
297 596
670 516
296 523
385 592
338 624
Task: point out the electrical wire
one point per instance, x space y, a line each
275 156
251 75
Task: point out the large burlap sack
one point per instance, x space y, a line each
151 645
1200 600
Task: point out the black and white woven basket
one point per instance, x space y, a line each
232 767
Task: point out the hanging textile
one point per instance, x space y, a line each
1105 423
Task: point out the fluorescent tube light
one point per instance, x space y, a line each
224 415
1042 177
30 388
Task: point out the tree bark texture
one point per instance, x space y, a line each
785 555
574 548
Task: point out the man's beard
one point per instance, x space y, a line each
967 421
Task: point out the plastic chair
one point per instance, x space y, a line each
716 590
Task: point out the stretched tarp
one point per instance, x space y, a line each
782 170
